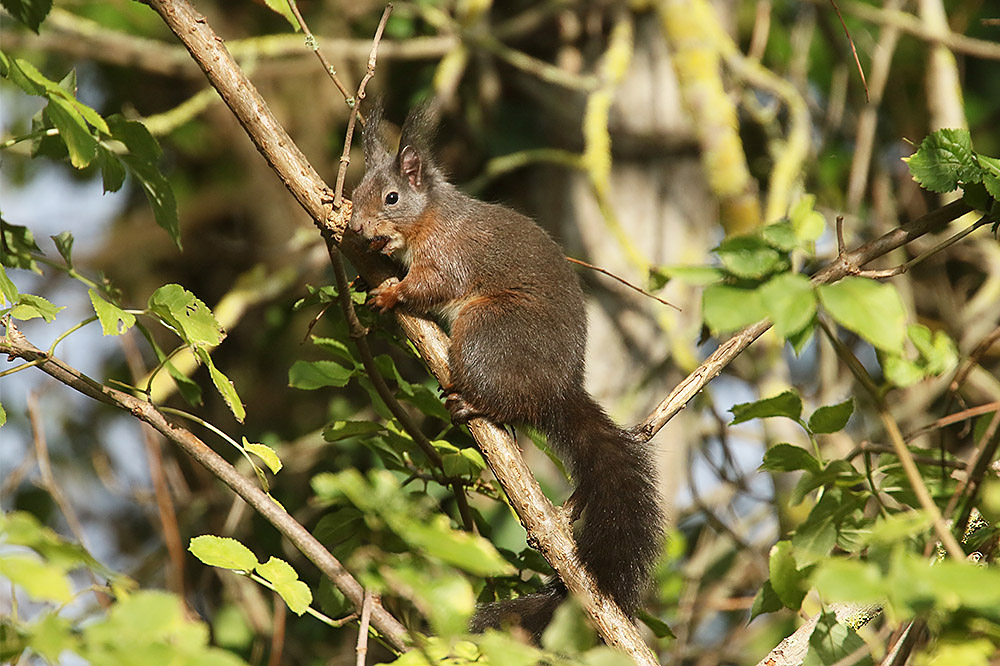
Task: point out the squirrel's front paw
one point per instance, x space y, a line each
386 295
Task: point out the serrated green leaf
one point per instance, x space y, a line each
223 385
788 582
223 552
785 457
114 320
991 175
944 160
276 570
871 309
30 306
790 302
339 430
726 309
29 12
831 418
187 315
43 581
3 416
787 404
311 375
749 257
938 351
73 129
265 453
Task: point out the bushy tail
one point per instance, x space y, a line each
622 518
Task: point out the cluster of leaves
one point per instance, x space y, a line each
68 128
848 555
138 626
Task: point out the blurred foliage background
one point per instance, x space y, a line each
640 134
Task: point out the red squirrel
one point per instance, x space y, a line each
518 332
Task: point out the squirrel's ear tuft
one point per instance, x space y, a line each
411 165
419 129
375 151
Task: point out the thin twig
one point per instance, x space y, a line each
345 157
854 50
366 613
279 626
622 280
899 444
957 417
313 44
55 490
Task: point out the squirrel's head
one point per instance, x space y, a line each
396 190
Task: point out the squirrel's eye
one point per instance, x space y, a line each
392 198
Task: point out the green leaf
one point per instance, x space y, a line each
223 385
698 276
223 552
445 597
789 458
187 315
311 375
112 169
871 309
902 372
158 192
991 175
937 350
466 551
282 8
188 388
832 641
339 430
30 306
64 243
286 582
839 579
3 416
790 302
29 12
51 636
114 320
780 235
807 223
831 418
660 628
8 290
788 582
944 160
265 453
787 404
73 129
42 581
765 601
17 244
726 309
749 257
